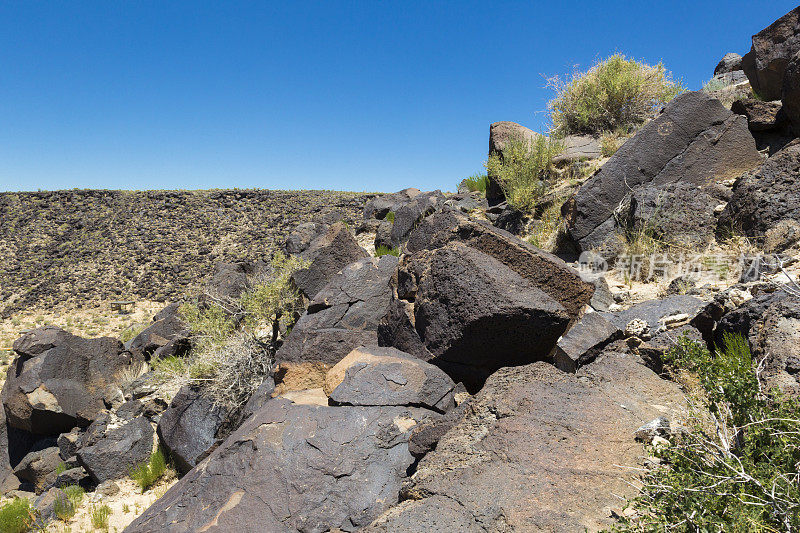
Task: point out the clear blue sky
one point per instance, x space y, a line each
299 95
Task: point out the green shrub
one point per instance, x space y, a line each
61 468
389 217
169 367
273 296
609 144
616 92
17 516
210 325
65 506
714 84
524 169
385 250
477 182
148 473
100 516
737 471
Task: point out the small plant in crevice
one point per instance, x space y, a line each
66 505
385 250
389 217
17 516
99 516
149 472
477 183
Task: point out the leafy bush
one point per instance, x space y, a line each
389 217
211 325
17 516
236 369
616 92
609 144
169 367
477 182
148 473
100 516
738 471
273 296
385 250
65 506
524 169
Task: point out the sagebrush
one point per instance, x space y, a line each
616 92
17 516
149 472
525 169
738 471
477 183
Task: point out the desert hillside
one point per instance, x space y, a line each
74 247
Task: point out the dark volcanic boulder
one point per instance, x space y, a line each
764 198
382 205
761 116
370 375
58 380
168 332
8 481
229 280
538 450
300 238
771 323
578 148
543 270
188 428
328 253
344 314
773 48
681 214
410 213
469 314
39 468
293 467
791 92
729 63
694 140
500 135
119 450
584 341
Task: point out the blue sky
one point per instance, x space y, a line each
365 95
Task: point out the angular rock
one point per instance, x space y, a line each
681 214
655 312
229 280
772 49
380 206
300 239
370 375
762 199
39 468
119 450
167 332
694 140
58 380
383 236
328 253
469 314
729 63
68 443
790 94
293 467
427 433
761 116
8 481
344 315
578 148
539 450
410 213
260 397
45 505
784 235
74 476
584 341
500 135
188 428
543 270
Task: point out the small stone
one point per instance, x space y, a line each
107 488
655 428
636 328
660 443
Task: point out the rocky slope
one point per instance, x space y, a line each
79 246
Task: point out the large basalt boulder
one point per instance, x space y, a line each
578 148
58 380
501 134
584 341
791 92
761 116
119 450
772 49
344 315
694 139
771 324
380 206
543 270
8 481
469 314
328 254
729 63
39 468
681 214
188 428
410 213
293 467
538 450
167 333
762 199
370 375
301 237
